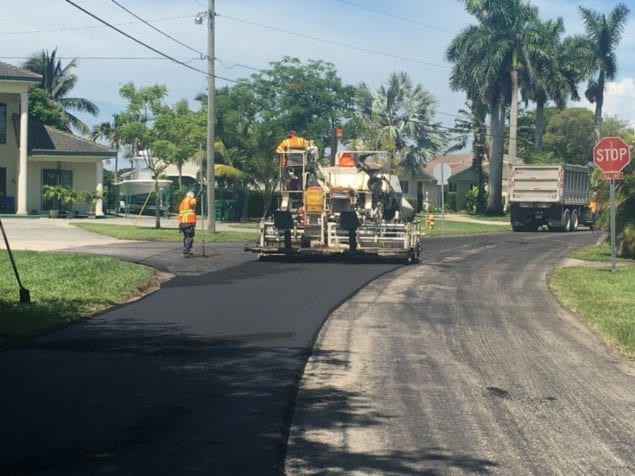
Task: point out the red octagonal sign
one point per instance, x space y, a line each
611 154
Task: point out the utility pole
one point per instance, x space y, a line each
211 91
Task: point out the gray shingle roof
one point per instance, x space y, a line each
13 73
46 140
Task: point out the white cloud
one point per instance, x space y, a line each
620 100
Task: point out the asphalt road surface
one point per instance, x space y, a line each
461 364
465 365
197 378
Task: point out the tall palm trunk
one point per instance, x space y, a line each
540 124
497 128
599 102
513 115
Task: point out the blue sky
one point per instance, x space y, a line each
364 45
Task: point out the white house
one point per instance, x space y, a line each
33 155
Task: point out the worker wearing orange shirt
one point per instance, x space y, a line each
292 142
187 222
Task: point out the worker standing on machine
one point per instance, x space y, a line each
187 222
290 143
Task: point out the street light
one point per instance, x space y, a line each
211 90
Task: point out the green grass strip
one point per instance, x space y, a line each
145 233
605 299
64 287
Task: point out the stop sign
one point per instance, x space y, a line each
611 154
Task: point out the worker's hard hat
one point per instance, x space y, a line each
291 133
190 194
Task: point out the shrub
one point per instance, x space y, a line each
626 242
450 201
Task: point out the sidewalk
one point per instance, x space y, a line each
58 234
55 234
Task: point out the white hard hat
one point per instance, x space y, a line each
190 194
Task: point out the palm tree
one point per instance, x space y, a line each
398 118
604 32
58 81
106 131
487 59
470 127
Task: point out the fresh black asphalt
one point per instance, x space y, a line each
197 378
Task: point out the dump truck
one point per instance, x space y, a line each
352 207
556 196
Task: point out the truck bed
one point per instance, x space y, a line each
565 184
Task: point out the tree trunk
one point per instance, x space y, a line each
497 128
513 118
157 215
599 102
540 124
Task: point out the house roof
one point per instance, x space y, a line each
46 140
457 162
8 72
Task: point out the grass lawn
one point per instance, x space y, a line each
64 287
605 299
450 227
146 233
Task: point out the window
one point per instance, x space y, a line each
404 186
3 123
452 187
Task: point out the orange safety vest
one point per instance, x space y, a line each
187 211
293 142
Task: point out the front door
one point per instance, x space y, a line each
55 177
419 196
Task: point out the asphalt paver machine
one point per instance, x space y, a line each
354 207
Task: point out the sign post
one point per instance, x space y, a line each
442 173
611 155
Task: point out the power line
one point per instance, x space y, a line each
88 27
125 58
156 29
408 20
344 45
145 44
142 43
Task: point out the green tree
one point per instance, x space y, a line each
108 132
604 33
254 114
398 118
136 128
468 128
487 59
45 110
557 68
184 129
58 81
569 136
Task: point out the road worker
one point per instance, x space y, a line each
187 222
289 144
292 141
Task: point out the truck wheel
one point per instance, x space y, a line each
566 220
574 220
